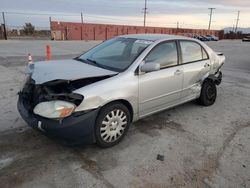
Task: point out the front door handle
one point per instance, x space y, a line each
177 72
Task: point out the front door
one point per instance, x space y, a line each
162 88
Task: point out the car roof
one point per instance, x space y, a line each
154 37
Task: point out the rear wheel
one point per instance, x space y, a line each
112 124
208 93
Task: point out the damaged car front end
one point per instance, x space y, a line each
50 106
36 100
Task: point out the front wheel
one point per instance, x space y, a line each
112 124
208 93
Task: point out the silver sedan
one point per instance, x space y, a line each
96 96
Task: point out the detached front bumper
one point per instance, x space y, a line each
74 129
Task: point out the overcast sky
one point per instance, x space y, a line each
166 13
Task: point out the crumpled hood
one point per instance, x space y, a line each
46 71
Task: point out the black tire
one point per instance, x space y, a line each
208 93
100 136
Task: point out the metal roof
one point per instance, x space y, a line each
154 37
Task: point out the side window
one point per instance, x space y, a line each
165 54
192 51
137 49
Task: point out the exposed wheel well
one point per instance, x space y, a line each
208 79
126 103
214 78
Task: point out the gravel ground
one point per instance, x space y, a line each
202 146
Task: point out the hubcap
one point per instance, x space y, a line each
113 125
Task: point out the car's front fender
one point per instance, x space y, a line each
120 87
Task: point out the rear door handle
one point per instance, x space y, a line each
177 72
206 65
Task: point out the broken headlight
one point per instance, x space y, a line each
54 109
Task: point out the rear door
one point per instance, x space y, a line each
196 65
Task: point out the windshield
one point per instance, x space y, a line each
116 54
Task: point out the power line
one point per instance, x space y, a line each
119 19
237 21
41 14
210 19
109 18
71 15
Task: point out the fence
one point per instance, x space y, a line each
16 28
88 31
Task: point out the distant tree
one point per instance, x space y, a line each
29 29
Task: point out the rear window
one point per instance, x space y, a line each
192 51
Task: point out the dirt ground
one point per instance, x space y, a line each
202 146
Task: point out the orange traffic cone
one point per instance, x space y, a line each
48 52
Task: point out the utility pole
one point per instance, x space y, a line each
4 27
210 19
237 21
51 37
81 24
177 25
145 9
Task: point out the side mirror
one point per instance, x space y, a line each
150 67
